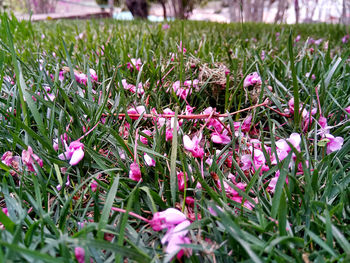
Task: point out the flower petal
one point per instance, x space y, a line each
77 156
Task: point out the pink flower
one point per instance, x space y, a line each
190 83
252 79
10 160
297 39
5 211
138 110
175 237
273 182
94 186
193 146
176 223
325 129
74 153
165 26
143 139
334 144
135 172
189 110
93 75
61 75
148 160
221 138
345 39
256 159
167 219
168 134
81 78
79 254
181 181
182 92
135 63
283 148
28 158
347 109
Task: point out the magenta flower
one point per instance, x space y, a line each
134 64
252 79
175 237
176 223
168 134
135 172
334 144
148 160
94 186
273 182
347 109
10 160
221 138
345 39
93 75
143 139
325 129
81 78
5 211
283 148
74 153
79 254
182 92
181 181
193 146
167 219
29 159
138 110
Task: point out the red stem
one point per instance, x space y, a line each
192 116
130 213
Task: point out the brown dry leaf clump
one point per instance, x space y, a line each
214 75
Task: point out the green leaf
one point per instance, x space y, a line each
173 157
107 207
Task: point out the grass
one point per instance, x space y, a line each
306 220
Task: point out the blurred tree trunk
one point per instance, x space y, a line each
251 10
297 11
179 10
138 8
345 12
235 10
162 2
111 7
281 9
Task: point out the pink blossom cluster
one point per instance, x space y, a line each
176 224
134 64
80 77
233 194
252 79
132 88
29 159
186 89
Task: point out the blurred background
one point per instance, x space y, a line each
270 11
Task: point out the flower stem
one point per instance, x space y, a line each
130 213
